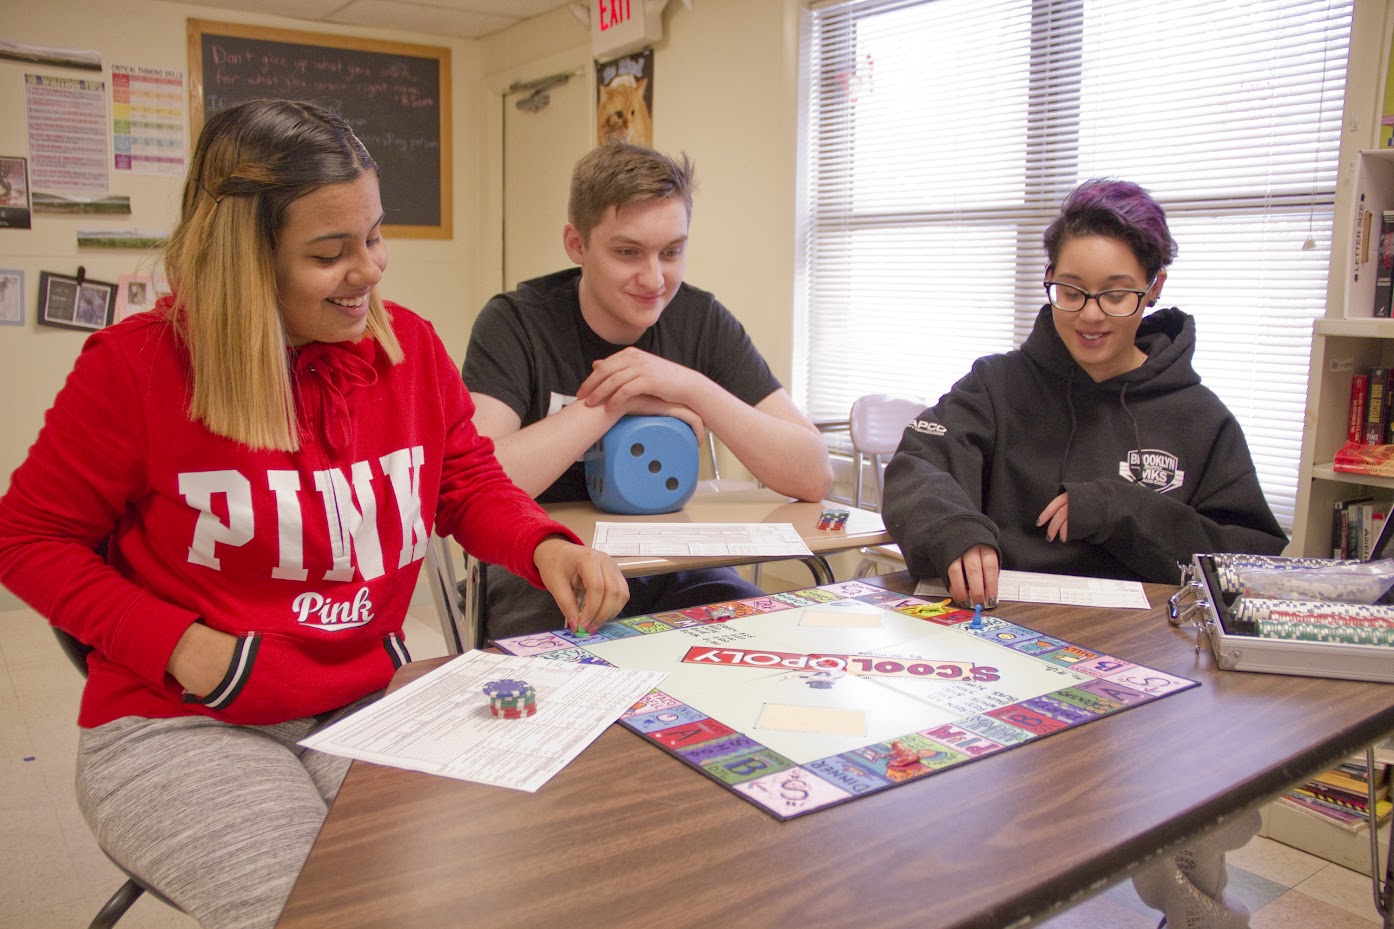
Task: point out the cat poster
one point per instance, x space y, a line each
624 108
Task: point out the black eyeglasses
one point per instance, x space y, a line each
1071 299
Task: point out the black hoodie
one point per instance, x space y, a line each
1156 467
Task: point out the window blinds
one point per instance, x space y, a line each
941 136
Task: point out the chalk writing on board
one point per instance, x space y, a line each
392 100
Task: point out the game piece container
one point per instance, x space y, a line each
1239 643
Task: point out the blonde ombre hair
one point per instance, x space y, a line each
250 163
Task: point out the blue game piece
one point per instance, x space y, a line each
977 622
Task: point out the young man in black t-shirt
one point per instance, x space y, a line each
554 364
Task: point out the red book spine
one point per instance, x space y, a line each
1355 426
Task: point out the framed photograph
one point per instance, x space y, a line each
11 297
136 293
14 193
75 303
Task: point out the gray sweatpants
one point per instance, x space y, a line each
218 818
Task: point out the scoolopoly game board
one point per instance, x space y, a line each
798 701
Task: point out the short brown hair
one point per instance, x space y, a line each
617 174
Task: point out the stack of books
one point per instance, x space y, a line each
1356 525
1368 421
1340 797
1369 447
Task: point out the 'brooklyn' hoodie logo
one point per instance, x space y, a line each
1154 468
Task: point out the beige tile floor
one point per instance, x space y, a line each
52 876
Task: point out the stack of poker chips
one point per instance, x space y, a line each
1229 567
832 519
1309 621
1317 579
509 699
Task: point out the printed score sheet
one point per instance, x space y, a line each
669 540
1029 587
441 723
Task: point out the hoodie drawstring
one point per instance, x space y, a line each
1137 434
1074 424
326 375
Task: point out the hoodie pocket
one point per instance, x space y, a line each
271 679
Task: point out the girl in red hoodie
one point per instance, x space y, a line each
262 459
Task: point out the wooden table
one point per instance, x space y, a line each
628 838
711 503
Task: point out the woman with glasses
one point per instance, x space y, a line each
1093 449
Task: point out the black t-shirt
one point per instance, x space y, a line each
531 350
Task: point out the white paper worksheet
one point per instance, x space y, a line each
1029 587
668 540
441 723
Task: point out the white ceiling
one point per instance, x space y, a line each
461 19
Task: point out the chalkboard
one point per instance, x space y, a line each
396 97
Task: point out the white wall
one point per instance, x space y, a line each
438 278
724 92
725 81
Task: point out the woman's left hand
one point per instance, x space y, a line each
586 584
1057 514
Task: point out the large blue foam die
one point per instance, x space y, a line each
644 464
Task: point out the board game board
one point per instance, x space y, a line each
801 700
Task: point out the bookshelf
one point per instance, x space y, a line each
1345 845
1347 340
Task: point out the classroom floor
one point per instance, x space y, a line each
52 875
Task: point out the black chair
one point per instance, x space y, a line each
128 893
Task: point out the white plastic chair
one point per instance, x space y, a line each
876 424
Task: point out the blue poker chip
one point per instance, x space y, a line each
506 688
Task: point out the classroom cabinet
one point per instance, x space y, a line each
1346 341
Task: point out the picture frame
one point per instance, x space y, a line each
11 297
15 204
137 293
75 302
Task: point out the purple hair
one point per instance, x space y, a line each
1116 210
